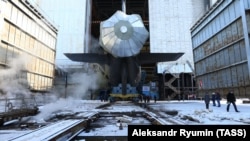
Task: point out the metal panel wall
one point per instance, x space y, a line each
28 35
220 48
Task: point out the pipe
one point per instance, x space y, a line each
124 6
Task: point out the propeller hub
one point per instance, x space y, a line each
123 29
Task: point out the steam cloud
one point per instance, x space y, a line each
81 85
12 81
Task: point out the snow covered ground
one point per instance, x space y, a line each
188 108
215 115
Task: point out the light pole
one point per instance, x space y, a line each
163 75
66 84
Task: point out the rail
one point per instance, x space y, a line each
62 130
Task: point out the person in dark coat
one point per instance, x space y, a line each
155 98
207 100
217 98
231 99
213 99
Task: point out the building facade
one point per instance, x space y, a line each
170 23
73 19
27 35
221 48
169 27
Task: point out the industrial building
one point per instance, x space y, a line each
216 50
221 47
168 23
28 38
74 27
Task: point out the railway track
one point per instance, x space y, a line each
144 110
121 113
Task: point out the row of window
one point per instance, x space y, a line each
231 55
32 63
33 26
219 48
229 77
225 14
38 82
20 39
23 34
230 34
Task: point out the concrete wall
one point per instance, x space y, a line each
170 23
73 20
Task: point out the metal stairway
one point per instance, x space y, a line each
170 81
169 85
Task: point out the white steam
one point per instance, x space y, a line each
13 81
47 110
13 78
64 106
84 82
79 87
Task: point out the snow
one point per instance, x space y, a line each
214 116
187 108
